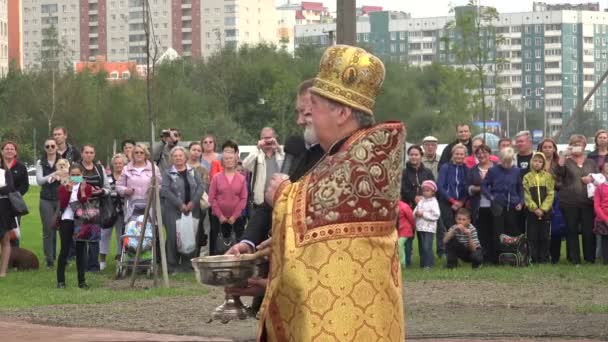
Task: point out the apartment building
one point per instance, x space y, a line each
115 30
3 38
236 23
15 22
552 58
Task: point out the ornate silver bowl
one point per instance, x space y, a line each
226 271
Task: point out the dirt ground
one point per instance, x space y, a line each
434 309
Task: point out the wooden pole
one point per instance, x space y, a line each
346 22
141 238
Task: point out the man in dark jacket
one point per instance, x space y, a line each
464 137
67 151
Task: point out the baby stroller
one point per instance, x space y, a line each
130 240
514 250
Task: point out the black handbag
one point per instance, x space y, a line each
107 212
18 205
222 243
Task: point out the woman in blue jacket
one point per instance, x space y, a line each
503 186
453 191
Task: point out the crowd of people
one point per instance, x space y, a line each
329 200
467 198
460 201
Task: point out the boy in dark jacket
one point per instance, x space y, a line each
539 193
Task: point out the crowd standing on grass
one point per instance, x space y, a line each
461 201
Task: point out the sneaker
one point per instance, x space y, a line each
102 265
83 286
61 285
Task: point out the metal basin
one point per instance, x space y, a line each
224 270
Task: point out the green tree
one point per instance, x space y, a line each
474 47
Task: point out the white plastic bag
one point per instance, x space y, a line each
598 179
185 229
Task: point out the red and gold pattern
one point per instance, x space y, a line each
333 276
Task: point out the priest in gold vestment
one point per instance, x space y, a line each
334 269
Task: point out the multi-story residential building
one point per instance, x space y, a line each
543 6
3 38
236 23
549 60
15 45
115 30
292 14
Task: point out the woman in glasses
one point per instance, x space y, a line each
209 155
135 180
49 178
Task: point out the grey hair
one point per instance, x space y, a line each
363 119
120 156
180 148
524 133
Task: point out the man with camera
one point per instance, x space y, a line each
264 162
162 150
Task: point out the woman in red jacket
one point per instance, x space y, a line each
70 194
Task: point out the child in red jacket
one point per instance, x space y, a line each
406 232
70 195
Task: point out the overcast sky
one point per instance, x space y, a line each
433 8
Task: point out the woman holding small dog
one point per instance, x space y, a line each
49 178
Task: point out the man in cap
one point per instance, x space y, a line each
430 158
334 267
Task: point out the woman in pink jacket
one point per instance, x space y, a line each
135 180
600 204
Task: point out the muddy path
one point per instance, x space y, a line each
434 308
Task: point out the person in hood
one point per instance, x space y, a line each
539 194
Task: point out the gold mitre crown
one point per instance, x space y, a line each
351 76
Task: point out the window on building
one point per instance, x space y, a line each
528 92
538 53
515 28
393 47
538 41
528 67
538 66
528 79
403 35
393 35
527 28
527 41
538 79
527 53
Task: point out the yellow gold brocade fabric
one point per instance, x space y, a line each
337 281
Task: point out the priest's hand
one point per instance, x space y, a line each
276 180
255 288
240 248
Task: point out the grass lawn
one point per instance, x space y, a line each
38 288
